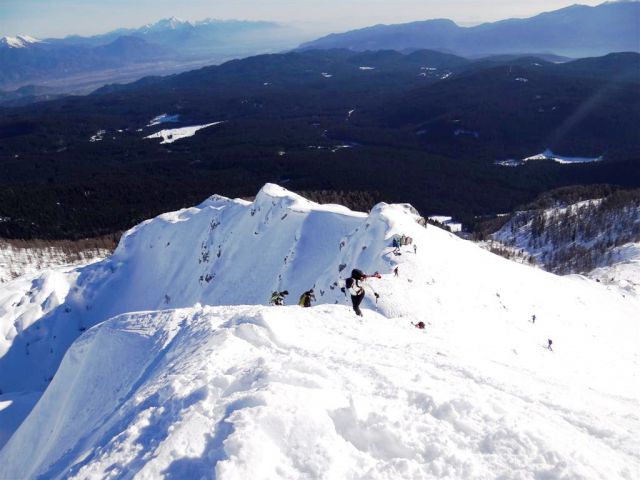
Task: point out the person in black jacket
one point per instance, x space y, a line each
355 287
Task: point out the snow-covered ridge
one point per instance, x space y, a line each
175 23
19 41
250 391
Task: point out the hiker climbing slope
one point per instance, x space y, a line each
277 298
306 298
355 286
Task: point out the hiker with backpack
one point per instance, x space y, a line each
306 298
354 284
277 298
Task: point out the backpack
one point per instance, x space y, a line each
357 274
303 299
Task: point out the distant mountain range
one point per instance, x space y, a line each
575 31
203 37
23 62
164 47
78 64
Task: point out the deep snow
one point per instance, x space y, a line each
258 392
264 392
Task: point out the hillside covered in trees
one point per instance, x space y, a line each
573 231
424 127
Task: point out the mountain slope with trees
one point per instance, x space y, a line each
587 231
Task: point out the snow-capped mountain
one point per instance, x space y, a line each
207 381
19 41
211 36
166 46
172 23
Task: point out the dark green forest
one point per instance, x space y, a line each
425 128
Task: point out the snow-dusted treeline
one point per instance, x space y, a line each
601 233
20 257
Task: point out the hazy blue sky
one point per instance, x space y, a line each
53 18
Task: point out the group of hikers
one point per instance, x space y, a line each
354 285
277 298
401 241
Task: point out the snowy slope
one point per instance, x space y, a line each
260 392
623 268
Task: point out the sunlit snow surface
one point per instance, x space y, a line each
170 135
242 391
624 269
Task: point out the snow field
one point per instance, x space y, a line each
259 392
170 135
548 155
